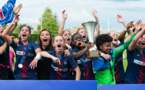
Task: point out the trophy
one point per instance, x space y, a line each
90 28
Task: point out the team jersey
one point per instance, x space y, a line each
85 66
4 58
119 69
25 71
62 71
105 74
135 72
5 71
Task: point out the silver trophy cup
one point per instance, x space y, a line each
90 28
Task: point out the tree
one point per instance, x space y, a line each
49 21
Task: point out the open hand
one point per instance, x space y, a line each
120 18
17 9
64 16
33 64
94 12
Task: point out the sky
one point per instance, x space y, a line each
79 11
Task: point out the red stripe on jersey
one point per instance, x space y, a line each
117 74
58 72
87 71
1 14
141 70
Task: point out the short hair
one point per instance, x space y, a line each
101 39
74 36
65 31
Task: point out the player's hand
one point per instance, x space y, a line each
33 64
56 60
106 56
66 53
120 19
64 16
16 40
17 9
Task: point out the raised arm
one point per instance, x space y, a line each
16 11
61 27
5 35
97 29
136 38
129 31
121 20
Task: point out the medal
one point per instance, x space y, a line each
20 65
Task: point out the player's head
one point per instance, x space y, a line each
45 38
141 42
81 30
67 36
24 32
77 40
103 43
114 35
58 43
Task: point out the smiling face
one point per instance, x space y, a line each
106 47
58 43
77 40
115 38
141 42
67 37
45 38
83 33
24 33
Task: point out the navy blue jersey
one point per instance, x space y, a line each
135 72
62 71
85 66
26 71
119 69
4 58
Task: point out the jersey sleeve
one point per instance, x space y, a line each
120 49
13 45
35 46
100 64
72 61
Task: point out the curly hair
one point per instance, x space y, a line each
101 39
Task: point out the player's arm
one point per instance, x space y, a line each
5 35
61 27
97 29
129 31
136 38
78 72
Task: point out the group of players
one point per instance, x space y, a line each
65 57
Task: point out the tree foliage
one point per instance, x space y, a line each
49 21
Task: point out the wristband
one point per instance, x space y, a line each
102 54
38 56
13 23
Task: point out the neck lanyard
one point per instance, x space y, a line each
5 53
26 52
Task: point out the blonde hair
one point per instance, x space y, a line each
79 28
